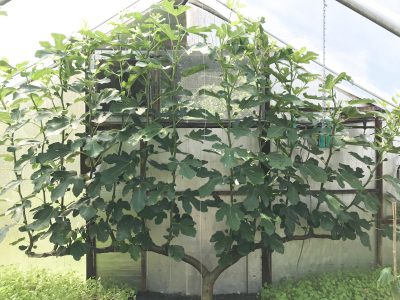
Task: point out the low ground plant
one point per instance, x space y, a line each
343 286
40 284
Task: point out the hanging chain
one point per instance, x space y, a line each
325 5
204 140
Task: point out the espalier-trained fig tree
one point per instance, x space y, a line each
54 121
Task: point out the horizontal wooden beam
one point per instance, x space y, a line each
201 123
338 192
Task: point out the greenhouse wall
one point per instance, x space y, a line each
300 258
10 254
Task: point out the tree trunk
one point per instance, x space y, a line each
207 290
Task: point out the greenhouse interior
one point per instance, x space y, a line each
199 149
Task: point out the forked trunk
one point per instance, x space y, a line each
207 290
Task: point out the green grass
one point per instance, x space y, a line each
45 285
337 286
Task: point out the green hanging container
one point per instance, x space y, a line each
324 138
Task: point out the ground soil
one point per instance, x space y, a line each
159 296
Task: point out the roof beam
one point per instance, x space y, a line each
180 2
374 16
4 2
208 9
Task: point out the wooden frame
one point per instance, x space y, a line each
266 256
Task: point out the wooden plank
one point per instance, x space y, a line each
379 188
143 255
266 261
200 123
91 262
91 256
266 255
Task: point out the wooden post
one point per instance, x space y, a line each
91 271
394 211
266 265
91 256
143 255
266 255
379 188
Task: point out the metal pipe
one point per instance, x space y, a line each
180 2
4 2
374 16
209 9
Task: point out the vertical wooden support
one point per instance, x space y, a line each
379 189
143 255
143 267
394 238
266 265
266 255
91 271
91 256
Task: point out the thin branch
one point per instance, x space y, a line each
154 248
236 257
306 237
108 249
42 255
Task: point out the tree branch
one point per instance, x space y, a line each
236 257
194 262
310 235
42 255
108 249
219 269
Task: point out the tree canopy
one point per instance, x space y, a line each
275 192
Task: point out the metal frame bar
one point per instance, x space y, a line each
374 16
